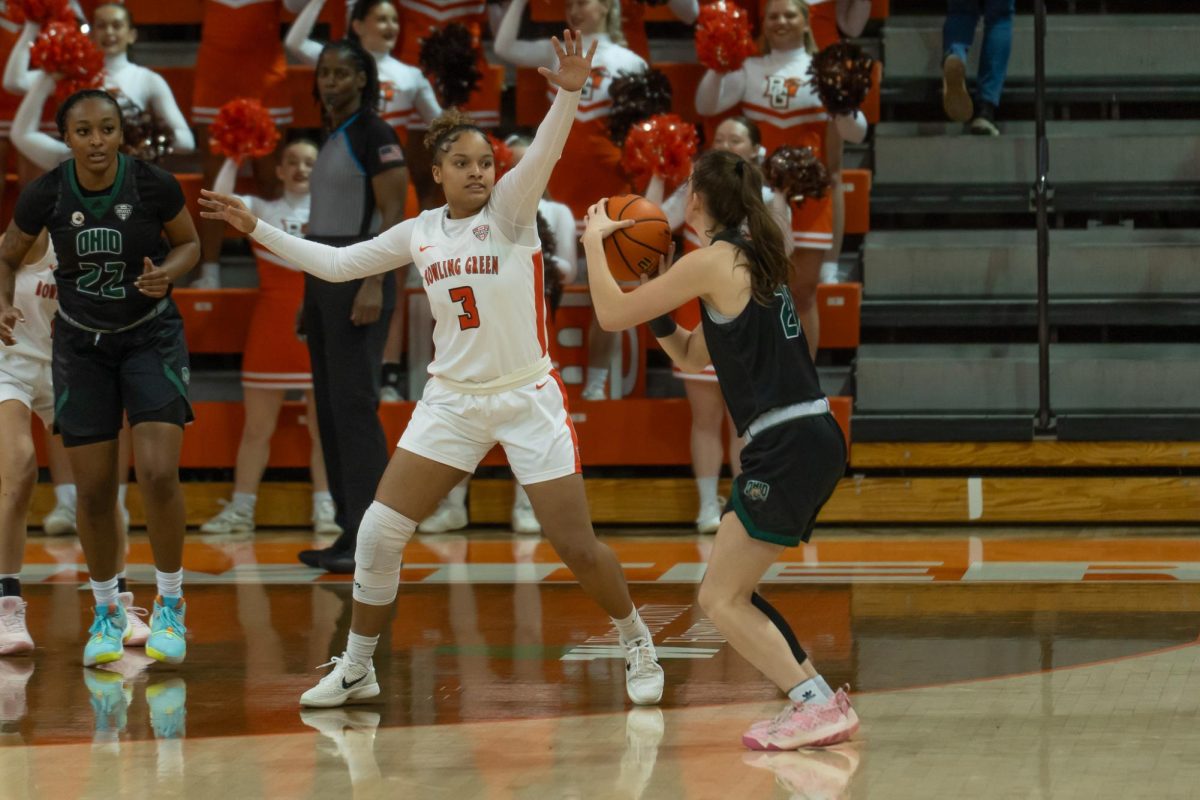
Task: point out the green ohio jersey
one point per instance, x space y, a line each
102 237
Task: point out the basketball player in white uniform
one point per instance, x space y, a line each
480 260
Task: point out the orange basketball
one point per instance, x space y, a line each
636 250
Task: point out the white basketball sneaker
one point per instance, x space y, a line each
325 519
643 675
232 519
449 516
709 518
523 518
59 522
14 636
139 631
349 682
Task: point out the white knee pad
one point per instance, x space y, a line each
382 535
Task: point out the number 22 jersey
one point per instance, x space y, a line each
102 237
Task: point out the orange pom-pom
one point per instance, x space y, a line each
662 145
502 156
723 38
62 49
243 129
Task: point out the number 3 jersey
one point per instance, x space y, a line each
760 356
102 237
486 294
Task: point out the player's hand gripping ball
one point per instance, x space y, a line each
636 235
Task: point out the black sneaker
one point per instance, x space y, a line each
984 123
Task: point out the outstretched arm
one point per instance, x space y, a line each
298 42
719 91
387 251
18 77
514 201
43 150
521 52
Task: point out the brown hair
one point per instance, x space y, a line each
444 131
731 189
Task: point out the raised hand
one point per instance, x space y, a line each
227 208
574 66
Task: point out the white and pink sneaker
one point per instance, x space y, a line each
14 636
806 725
139 631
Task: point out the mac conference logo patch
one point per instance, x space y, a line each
756 490
123 211
481 232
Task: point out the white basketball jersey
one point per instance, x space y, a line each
486 295
37 297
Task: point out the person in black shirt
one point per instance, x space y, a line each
358 185
123 236
794 453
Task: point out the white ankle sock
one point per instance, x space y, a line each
631 627
170 584
244 501
596 377
813 690
321 497
707 487
105 592
64 495
458 495
360 649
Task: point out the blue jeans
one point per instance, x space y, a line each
959 31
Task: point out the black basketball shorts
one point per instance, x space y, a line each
101 378
788 472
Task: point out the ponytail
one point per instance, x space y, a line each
731 189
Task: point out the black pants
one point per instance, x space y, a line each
346 362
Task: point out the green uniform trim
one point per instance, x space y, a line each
752 529
174 379
98 206
62 403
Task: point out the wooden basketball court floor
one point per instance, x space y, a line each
1023 664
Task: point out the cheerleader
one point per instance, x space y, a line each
773 90
275 360
134 87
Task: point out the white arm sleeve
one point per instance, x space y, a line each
514 201
426 102
562 222
388 251
17 75
297 41
44 151
852 16
852 127
163 106
781 210
719 91
522 53
226 178
685 10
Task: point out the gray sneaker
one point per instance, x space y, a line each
232 519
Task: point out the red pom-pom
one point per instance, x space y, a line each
798 173
502 156
662 145
723 39
40 11
62 49
243 129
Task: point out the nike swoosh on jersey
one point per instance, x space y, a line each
543 383
425 247
351 683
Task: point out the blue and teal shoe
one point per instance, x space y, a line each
168 708
110 701
106 637
167 642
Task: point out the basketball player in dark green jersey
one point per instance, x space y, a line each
123 237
